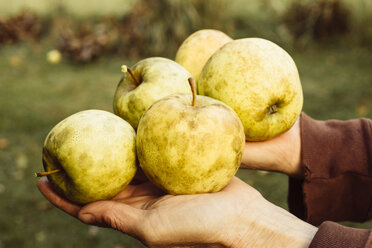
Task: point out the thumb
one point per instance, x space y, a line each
116 215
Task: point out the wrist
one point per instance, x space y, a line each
267 225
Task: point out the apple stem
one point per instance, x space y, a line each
273 109
41 174
126 69
193 89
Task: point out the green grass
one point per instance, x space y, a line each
35 95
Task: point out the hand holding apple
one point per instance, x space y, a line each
186 145
281 153
237 216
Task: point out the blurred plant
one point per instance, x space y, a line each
362 22
261 19
151 28
216 14
88 41
158 27
25 26
320 20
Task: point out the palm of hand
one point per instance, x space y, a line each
160 220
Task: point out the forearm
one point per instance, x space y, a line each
272 226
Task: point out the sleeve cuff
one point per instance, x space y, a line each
333 235
337 160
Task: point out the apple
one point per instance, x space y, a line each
147 81
260 81
90 156
188 144
195 51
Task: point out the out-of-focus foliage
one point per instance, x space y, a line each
88 40
158 27
321 20
303 23
24 26
151 28
77 8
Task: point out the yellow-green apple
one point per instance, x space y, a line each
260 81
195 51
188 144
147 81
90 156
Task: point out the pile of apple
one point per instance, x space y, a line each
249 89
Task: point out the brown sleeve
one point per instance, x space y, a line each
333 235
337 158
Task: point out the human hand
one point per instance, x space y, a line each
282 153
237 216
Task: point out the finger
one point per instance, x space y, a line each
113 214
49 193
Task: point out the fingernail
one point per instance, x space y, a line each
87 218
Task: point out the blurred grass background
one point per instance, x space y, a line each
330 45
